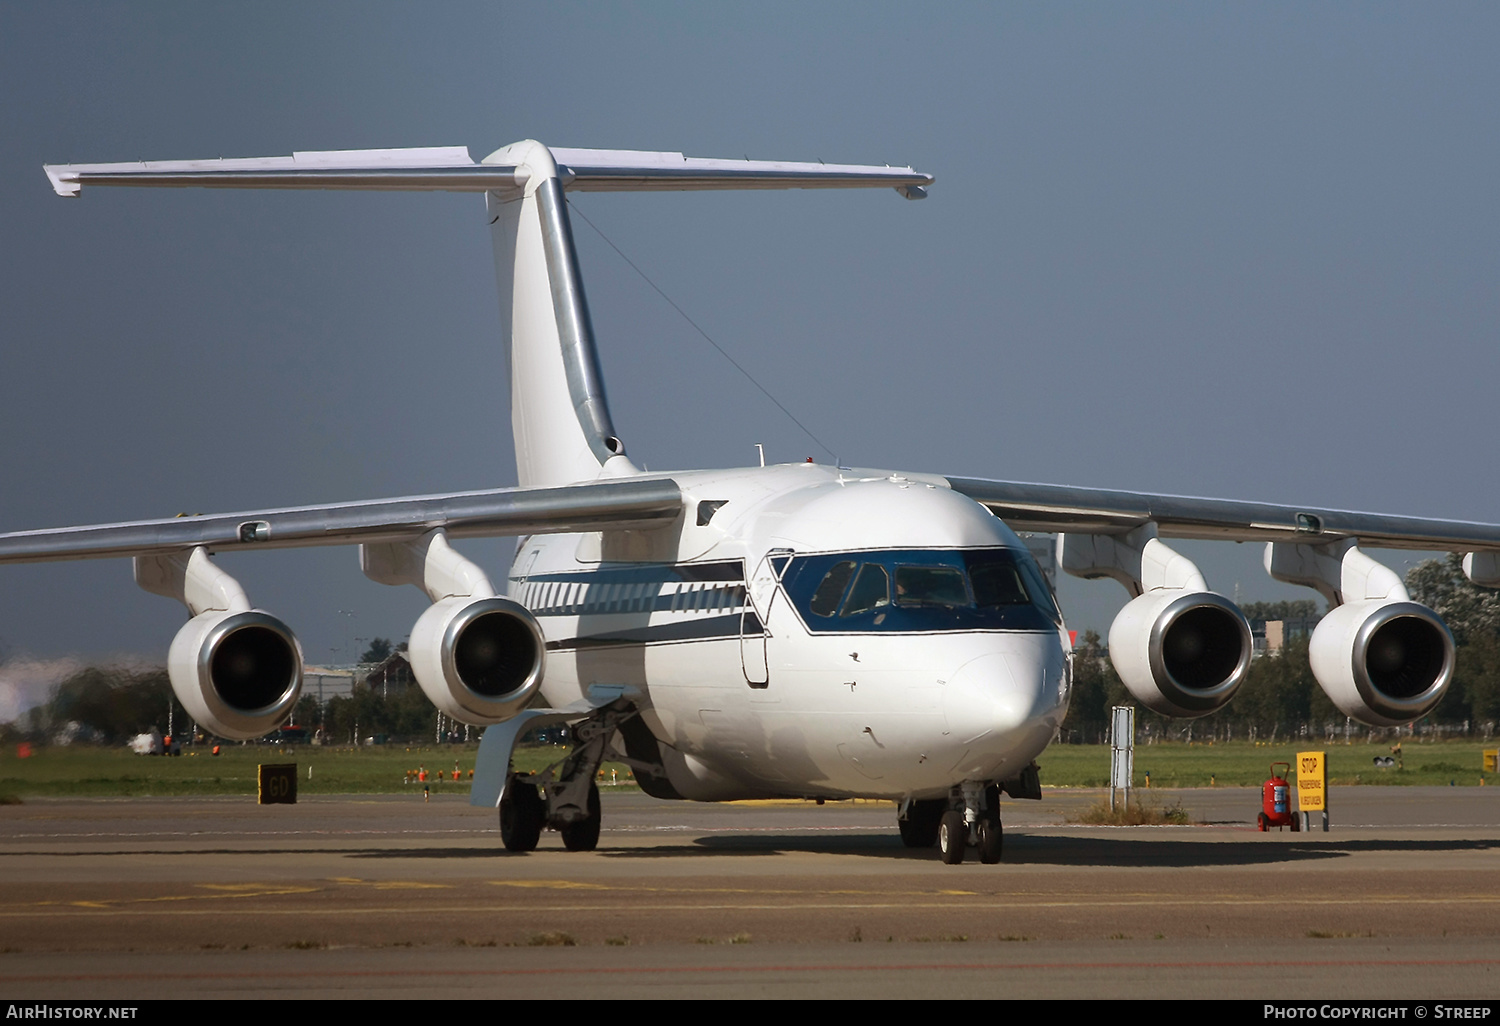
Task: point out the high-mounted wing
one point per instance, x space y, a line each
1183 650
1048 508
238 670
617 505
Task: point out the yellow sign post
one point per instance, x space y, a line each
1312 787
278 784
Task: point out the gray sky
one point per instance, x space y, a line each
1240 250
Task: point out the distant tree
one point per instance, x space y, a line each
1278 694
306 713
116 702
404 714
1477 678
1097 689
1465 607
379 650
1301 609
1472 613
1088 709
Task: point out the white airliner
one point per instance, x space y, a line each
797 630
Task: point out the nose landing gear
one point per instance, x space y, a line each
953 837
990 839
919 821
971 816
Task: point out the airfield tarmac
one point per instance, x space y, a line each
372 897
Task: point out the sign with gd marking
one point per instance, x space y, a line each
277 784
1312 793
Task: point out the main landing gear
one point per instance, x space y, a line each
564 796
970 816
919 827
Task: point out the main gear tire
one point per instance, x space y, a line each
991 840
583 835
521 816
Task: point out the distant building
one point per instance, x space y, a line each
1269 637
325 682
1043 549
391 673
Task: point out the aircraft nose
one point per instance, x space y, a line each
1000 692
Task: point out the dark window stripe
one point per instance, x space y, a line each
731 570
705 629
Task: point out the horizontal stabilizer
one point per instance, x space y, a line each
642 171
426 168
451 169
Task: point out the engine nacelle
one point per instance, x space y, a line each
1181 653
238 674
1383 663
478 660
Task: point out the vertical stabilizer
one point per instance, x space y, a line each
559 413
561 419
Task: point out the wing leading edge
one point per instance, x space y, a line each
1044 507
616 505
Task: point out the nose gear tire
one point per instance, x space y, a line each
990 841
920 827
953 837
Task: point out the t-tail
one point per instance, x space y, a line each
559 413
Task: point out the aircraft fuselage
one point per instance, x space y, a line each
810 631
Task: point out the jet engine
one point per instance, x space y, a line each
1385 663
478 660
238 674
1181 653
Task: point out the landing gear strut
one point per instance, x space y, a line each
564 796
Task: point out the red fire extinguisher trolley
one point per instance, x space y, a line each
1276 801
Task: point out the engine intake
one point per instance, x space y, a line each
238 674
1383 663
478 660
1181 654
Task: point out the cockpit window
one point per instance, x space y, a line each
921 591
931 586
997 583
825 601
872 589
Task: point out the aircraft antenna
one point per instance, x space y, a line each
722 352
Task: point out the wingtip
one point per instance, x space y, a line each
64 181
